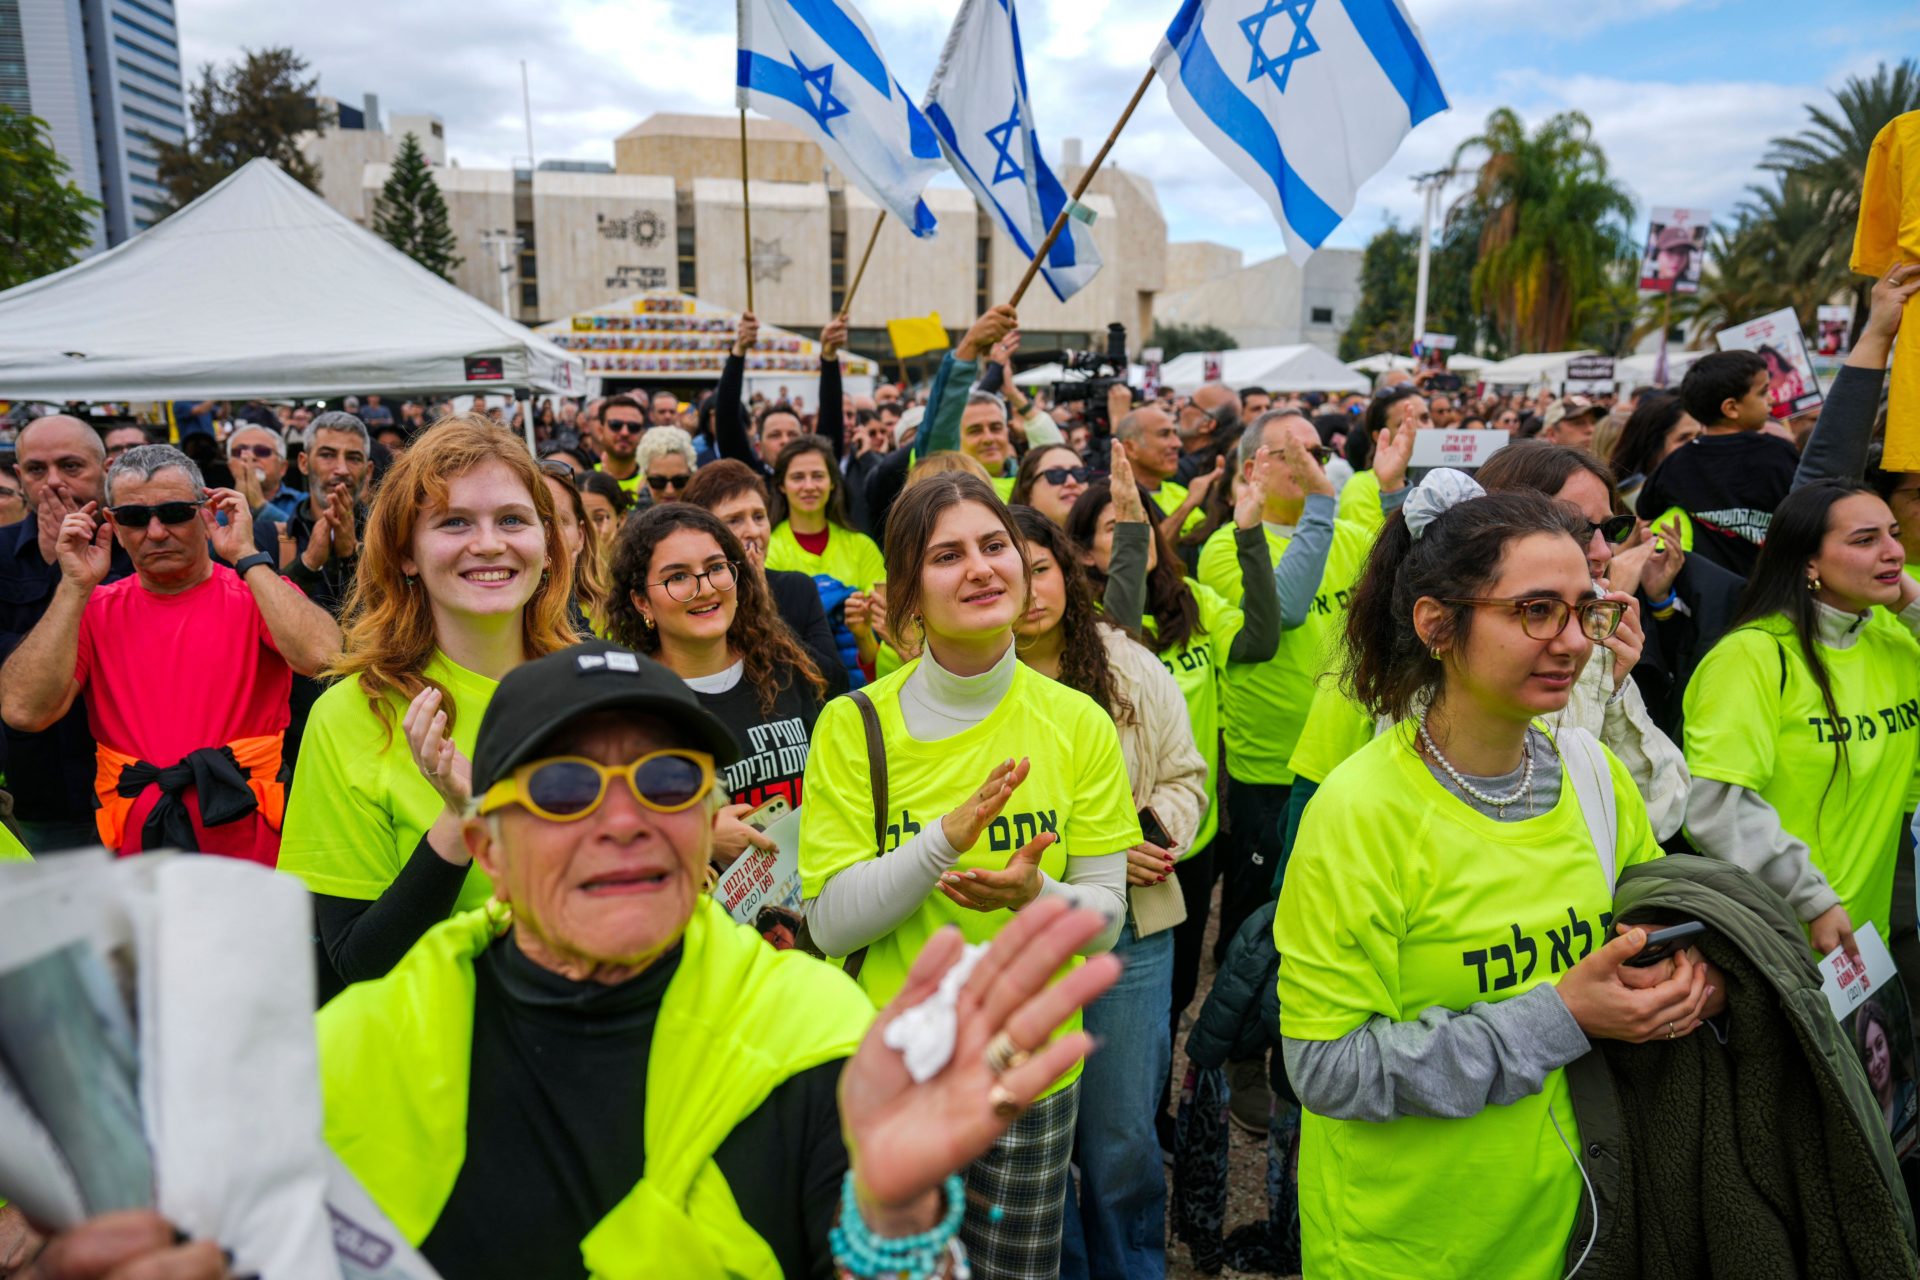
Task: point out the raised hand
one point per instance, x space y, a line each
1306 473
1203 484
964 825
981 889
1128 508
1628 640
832 338
448 771
1391 454
346 539
232 541
996 324
904 1138
56 504
746 334
84 549
1250 504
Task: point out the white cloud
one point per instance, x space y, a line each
599 66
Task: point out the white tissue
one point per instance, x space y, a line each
924 1034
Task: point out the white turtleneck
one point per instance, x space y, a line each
871 899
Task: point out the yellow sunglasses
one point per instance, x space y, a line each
569 788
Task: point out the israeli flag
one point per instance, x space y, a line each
815 65
1304 99
978 105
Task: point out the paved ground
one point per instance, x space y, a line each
1247 1159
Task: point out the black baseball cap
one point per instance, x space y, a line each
540 697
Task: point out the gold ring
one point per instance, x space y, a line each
1005 1105
1003 1055
1669 1031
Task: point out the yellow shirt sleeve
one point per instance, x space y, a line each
1732 706
836 822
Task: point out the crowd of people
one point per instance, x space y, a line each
1058 691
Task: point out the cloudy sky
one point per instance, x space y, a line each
1683 94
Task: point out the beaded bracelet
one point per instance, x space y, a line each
859 1252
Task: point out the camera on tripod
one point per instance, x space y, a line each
1100 371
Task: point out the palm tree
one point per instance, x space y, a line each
1553 226
1830 155
1780 252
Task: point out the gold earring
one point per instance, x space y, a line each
1435 653
1813 583
648 620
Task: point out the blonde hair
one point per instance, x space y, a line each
945 462
389 629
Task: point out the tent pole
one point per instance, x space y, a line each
746 208
526 420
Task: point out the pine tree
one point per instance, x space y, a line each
411 215
262 105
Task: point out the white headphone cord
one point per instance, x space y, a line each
1592 1199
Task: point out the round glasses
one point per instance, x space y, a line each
684 586
1544 617
569 788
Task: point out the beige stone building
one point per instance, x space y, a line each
1271 303
565 237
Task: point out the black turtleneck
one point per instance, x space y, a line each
556 1129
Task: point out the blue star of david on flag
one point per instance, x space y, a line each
1299 44
819 81
1001 138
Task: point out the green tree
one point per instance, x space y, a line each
1389 279
1178 339
1553 225
410 214
260 106
46 220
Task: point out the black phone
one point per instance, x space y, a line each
1662 943
1153 830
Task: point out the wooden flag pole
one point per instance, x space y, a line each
1080 189
846 303
746 207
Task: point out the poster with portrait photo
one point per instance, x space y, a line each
1867 996
1833 331
1676 249
1777 339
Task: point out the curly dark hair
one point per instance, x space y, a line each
1083 654
758 634
1170 601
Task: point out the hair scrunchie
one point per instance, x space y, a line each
1443 489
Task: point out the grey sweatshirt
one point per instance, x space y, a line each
871 899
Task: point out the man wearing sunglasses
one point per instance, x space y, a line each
50 774
185 667
602 1072
257 456
623 420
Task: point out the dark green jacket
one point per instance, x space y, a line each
1764 1157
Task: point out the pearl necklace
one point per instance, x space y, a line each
1524 790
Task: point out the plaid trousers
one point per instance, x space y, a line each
1024 1177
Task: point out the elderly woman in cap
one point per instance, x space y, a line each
602 1074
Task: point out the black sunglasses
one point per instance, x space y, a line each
658 483
1058 475
1321 454
133 515
1614 529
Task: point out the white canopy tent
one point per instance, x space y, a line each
1531 370
1294 368
259 290
1380 362
1637 371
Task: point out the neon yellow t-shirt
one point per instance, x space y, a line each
1168 498
850 558
1360 501
1196 667
1003 485
11 850
631 484
1336 727
1266 702
1400 897
1077 788
359 805
1743 727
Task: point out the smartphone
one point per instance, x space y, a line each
776 808
1662 943
1153 830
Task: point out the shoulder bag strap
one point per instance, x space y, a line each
1593 787
877 780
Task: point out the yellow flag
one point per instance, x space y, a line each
917 335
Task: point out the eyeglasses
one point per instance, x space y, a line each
263 452
569 788
629 428
131 515
1059 475
1321 454
1544 617
684 586
660 483
555 467
1615 529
